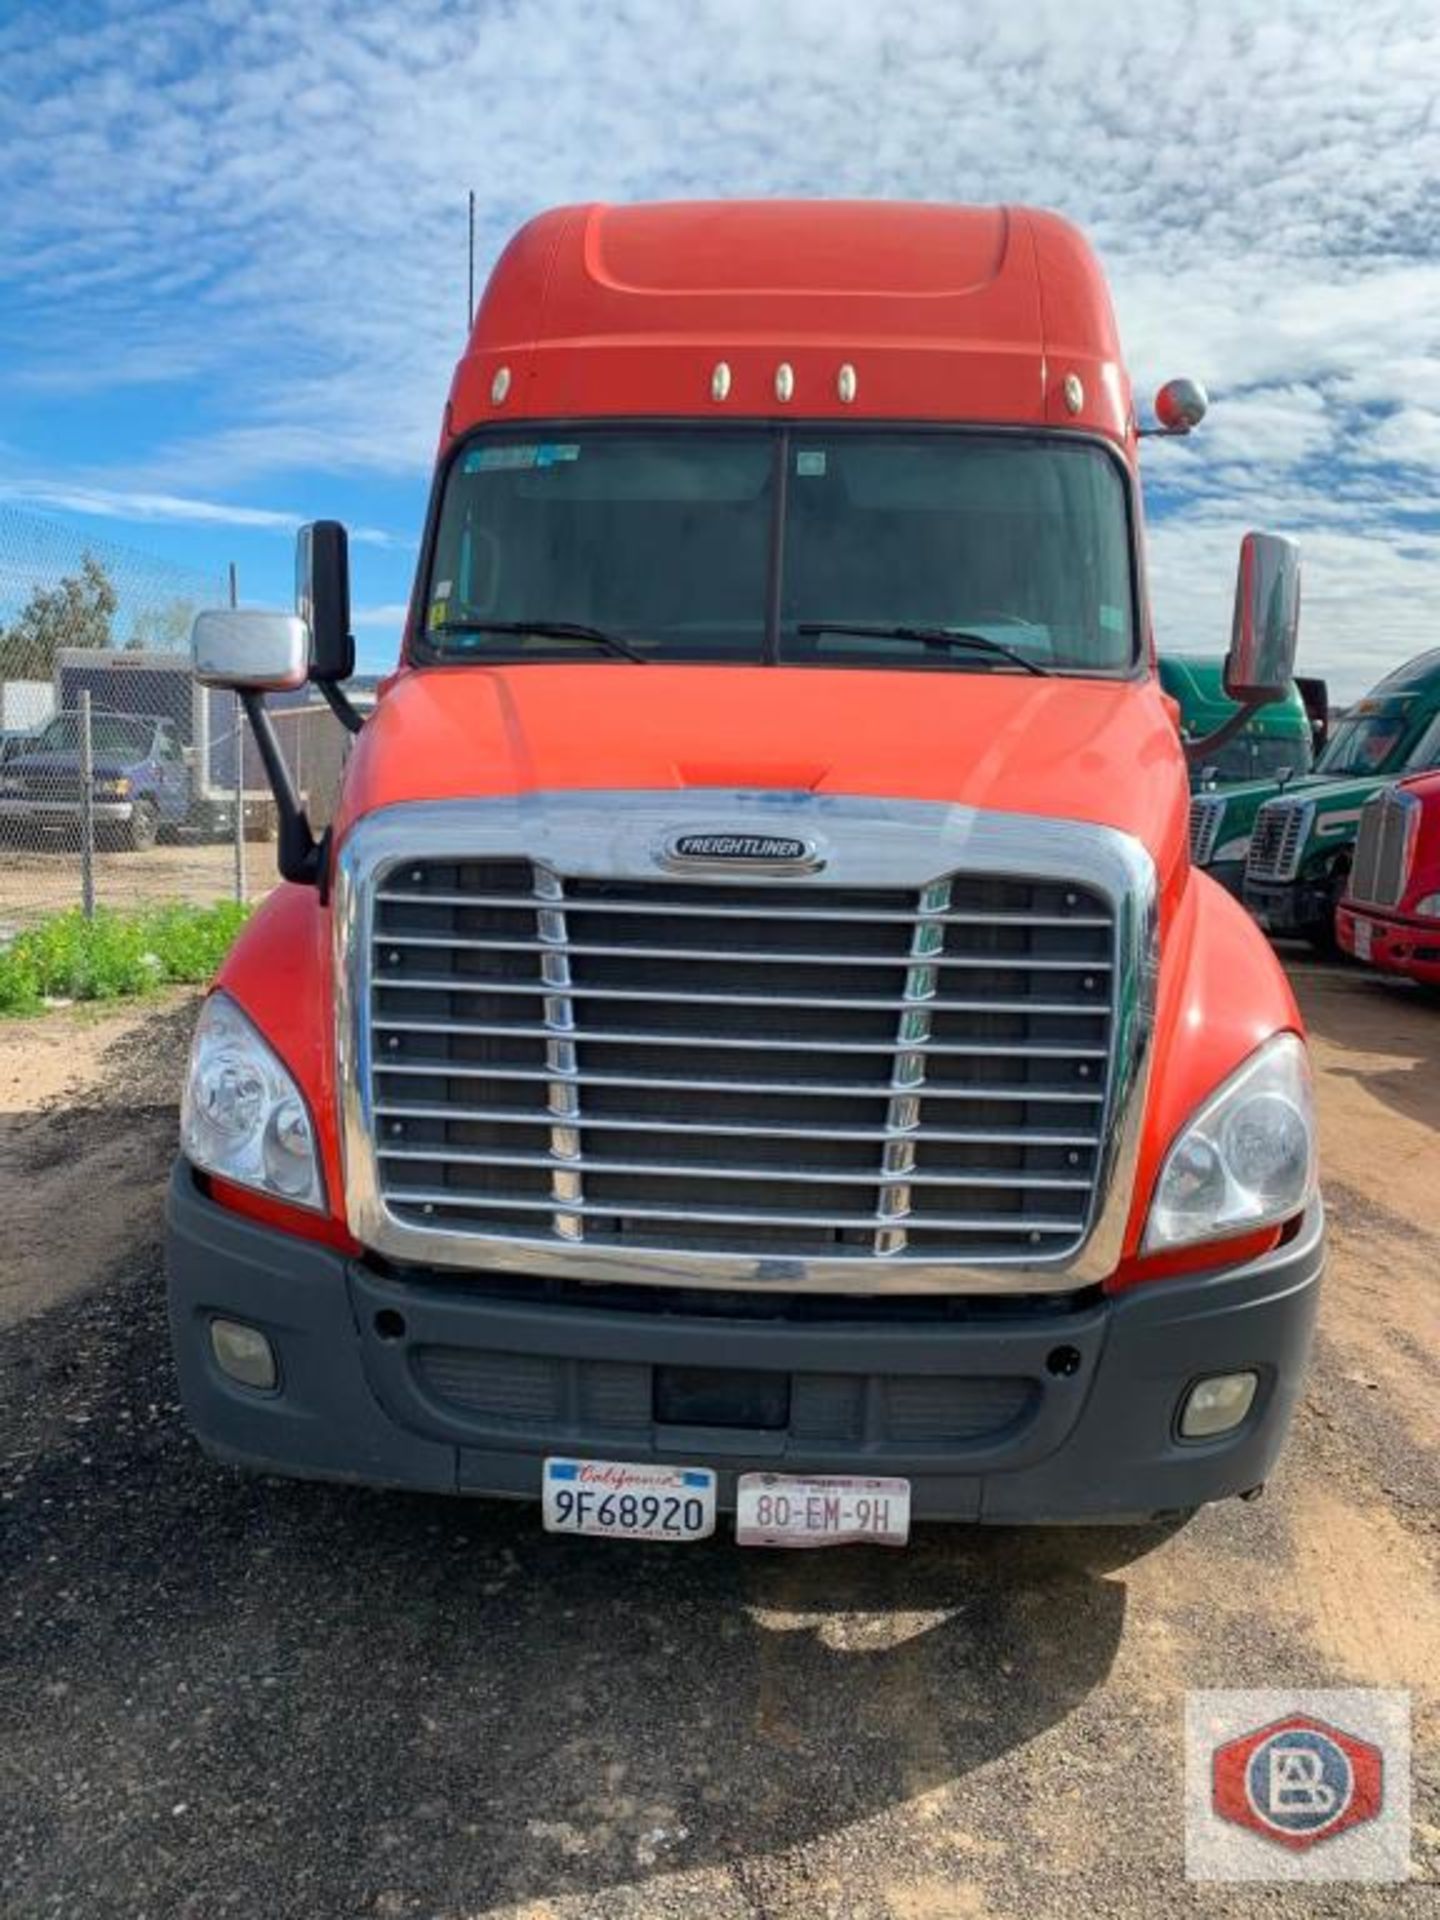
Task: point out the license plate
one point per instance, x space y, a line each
1364 939
621 1501
825 1510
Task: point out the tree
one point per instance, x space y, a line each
78 611
165 627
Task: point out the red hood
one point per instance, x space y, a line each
1100 751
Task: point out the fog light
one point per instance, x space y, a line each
244 1354
1216 1405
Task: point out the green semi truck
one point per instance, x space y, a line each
1274 741
1303 838
1277 744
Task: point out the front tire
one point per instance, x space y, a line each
143 827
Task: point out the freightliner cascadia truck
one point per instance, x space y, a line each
751 1038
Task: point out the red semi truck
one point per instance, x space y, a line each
1390 915
752 1038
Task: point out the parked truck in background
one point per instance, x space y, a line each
1276 741
1222 821
1303 840
163 751
751 1036
140 785
1389 916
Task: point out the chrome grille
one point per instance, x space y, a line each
51 783
742 1067
1276 843
1207 811
1382 848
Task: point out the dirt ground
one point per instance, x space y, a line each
222 1695
36 880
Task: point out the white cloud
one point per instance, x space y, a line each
391 616
108 503
274 198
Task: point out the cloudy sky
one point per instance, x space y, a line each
232 245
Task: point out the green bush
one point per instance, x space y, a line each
72 958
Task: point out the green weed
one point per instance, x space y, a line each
71 958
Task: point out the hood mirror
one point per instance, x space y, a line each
1180 406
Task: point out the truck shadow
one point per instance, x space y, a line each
433 1702
1391 1031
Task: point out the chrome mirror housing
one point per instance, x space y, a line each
1266 628
250 651
1181 405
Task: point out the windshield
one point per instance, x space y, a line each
1367 742
110 734
1254 757
754 544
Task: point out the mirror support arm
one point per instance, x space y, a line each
298 852
1198 751
339 704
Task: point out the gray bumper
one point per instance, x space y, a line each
59 813
1302 907
1003 1411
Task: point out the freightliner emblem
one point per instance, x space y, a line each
742 849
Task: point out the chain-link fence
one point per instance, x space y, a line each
123 781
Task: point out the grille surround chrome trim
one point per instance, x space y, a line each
1381 866
871 843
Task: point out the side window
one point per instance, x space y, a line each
1426 752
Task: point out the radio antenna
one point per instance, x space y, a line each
470 303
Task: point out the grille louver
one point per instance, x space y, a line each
1276 843
1207 811
751 1067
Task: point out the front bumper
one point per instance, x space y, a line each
1229 874
62 813
1301 907
1407 947
1014 1410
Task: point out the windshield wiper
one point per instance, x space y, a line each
939 638
549 630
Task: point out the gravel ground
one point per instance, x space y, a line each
220 1694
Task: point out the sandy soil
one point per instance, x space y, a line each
221 1694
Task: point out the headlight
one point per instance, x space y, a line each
242 1115
1246 1159
111 786
1428 908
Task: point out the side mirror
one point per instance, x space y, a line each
250 651
322 599
1266 630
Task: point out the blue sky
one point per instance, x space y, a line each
232 245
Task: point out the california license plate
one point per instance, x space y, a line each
622 1501
823 1510
1364 939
